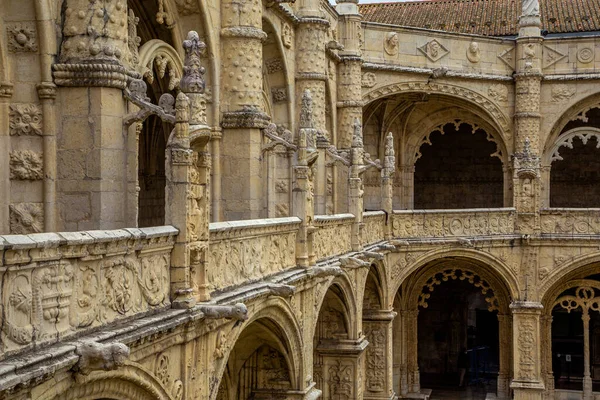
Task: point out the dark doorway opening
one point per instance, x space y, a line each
457 328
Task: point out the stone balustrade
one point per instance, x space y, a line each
243 251
373 229
56 285
333 235
570 221
453 223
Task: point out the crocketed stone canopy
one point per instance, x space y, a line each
485 17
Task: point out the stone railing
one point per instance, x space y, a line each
244 251
453 223
58 284
373 229
333 235
571 221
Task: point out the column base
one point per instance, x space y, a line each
424 394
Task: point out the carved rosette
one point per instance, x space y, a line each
26 165
26 218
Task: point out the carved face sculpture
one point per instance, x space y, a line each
434 49
473 53
391 43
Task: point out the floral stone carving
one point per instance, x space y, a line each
25 119
22 38
26 218
26 165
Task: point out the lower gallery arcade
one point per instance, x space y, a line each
416 334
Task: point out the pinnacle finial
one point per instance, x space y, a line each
193 80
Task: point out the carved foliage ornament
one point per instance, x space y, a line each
22 38
25 119
26 218
26 165
193 80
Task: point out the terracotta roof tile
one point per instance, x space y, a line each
485 17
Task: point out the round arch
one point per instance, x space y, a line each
279 313
578 268
492 267
561 122
346 288
496 282
436 122
497 117
129 382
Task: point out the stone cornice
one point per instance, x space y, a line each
252 228
428 71
93 74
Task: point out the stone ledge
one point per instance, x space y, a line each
240 229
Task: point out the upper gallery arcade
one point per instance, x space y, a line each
258 199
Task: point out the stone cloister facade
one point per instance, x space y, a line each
254 199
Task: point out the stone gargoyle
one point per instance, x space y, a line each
94 356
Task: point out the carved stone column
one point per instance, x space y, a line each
93 68
343 368
387 183
5 95
504 367
243 115
355 185
546 321
377 326
303 192
527 382
528 77
349 89
413 377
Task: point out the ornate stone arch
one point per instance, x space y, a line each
500 120
378 269
277 311
566 140
130 382
437 122
164 57
348 290
488 267
576 111
578 268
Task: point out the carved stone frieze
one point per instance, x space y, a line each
498 92
26 165
369 80
562 93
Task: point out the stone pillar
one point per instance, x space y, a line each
241 103
527 382
587 375
92 71
412 337
5 95
379 379
504 367
187 196
343 368
303 191
547 373
526 160
355 185
349 89
387 183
